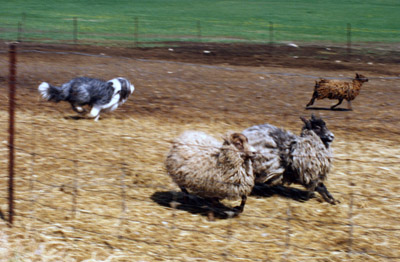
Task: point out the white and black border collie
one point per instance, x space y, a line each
96 93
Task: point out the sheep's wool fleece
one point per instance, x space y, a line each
288 158
207 168
334 89
267 163
309 158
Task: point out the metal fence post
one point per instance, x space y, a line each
136 32
11 112
348 40
19 36
75 33
199 31
271 37
271 33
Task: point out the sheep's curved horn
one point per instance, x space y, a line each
305 121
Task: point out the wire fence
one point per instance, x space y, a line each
105 186
150 32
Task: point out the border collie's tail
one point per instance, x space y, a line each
51 93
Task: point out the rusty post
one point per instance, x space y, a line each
11 110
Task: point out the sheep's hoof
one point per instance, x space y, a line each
334 202
174 204
331 200
211 216
238 210
230 214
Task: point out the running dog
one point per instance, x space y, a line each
96 93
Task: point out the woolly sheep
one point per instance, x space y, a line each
205 167
335 89
286 158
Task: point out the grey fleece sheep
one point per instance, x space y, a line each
201 165
287 158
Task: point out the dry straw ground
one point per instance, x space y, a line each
98 191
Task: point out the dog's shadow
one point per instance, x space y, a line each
328 109
264 190
192 204
75 117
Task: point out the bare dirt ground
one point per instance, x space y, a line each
98 191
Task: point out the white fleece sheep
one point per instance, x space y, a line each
203 166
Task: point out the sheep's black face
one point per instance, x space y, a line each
319 127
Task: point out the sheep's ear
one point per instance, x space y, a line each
237 139
306 122
227 138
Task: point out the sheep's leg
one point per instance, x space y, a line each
239 209
312 99
183 189
310 190
323 191
349 105
185 194
212 208
340 101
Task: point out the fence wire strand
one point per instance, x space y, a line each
82 183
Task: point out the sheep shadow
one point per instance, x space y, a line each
192 204
2 216
264 190
328 109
